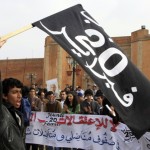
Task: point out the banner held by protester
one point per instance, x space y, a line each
82 131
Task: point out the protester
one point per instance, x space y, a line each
79 90
44 101
35 86
94 89
35 106
34 100
89 105
11 120
63 96
25 105
25 108
67 89
80 99
52 106
101 100
105 107
71 105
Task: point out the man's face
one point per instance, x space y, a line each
32 93
100 100
63 95
14 97
42 96
94 87
89 97
80 99
51 98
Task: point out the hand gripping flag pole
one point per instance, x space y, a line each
9 35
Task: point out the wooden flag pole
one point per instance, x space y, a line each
7 36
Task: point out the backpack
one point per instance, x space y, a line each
26 110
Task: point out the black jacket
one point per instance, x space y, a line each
94 107
11 133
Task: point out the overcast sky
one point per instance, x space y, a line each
117 17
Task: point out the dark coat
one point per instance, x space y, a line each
11 133
94 107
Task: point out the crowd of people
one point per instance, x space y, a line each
17 102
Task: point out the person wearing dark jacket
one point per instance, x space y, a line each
105 107
89 105
11 120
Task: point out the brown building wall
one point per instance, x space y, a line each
125 44
56 65
22 68
140 41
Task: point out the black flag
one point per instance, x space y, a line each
122 83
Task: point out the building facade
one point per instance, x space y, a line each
55 64
26 70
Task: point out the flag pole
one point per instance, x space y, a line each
9 35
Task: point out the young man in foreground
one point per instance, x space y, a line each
11 122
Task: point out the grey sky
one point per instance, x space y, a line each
117 17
